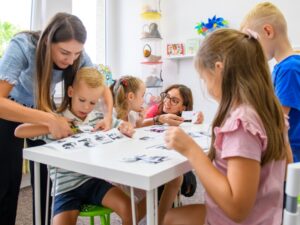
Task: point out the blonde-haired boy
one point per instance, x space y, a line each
72 189
269 23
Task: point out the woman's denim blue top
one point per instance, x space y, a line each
17 67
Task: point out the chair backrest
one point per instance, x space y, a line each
291 214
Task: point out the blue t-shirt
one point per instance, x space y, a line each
286 79
17 67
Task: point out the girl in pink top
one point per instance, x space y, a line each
244 172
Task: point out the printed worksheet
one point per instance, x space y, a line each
86 139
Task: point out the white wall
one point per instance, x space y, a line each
123 33
178 21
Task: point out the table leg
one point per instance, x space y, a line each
47 198
132 205
156 206
150 207
37 193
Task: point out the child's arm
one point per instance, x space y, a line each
29 130
234 192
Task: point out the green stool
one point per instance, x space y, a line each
298 199
95 210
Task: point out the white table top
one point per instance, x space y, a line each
107 161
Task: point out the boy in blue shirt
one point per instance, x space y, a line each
267 23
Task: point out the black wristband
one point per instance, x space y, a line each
156 120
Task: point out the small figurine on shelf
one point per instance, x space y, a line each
154 80
212 24
151 31
151 10
148 56
147 50
107 74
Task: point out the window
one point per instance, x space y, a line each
14 16
93 17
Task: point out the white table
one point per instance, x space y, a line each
107 163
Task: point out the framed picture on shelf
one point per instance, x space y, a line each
175 49
192 46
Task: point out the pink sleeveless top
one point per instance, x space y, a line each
243 135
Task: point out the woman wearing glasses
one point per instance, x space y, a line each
174 100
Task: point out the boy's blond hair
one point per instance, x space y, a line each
91 76
265 13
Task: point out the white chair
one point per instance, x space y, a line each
291 214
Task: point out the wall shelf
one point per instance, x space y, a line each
150 39
151 15
177 57
159 86
152 63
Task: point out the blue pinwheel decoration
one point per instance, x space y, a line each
212 24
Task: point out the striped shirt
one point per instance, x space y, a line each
67 180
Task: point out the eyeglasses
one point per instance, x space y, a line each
173 100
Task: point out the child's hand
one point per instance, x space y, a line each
141 118
199 118
104 124
176 138
142 114
126 128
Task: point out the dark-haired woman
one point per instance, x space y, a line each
174 100
34 62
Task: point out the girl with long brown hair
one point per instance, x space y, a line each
243 175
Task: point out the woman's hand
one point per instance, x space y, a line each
59 127
126 128
199 118
104 124
176 138
170 119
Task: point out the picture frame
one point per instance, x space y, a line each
175 49
192 45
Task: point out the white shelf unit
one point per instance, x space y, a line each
178 57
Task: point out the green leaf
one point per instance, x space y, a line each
7 31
